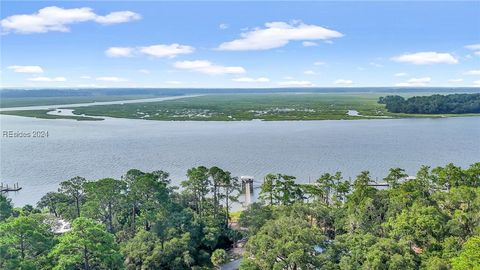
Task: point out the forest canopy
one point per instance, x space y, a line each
141 221
434 104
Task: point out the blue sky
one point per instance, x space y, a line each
239 44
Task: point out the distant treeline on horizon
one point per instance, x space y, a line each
75 92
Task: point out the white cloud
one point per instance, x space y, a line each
455 80
119 52
47 79
425 58
85 77
57 19
26 69
296 84
278 34
161 50
173 82
477 53
117 17
473 47
423 81
309 44
309 72
476 83
157 50
319 63
207 67
343 82
473 72
111 79
400 74
144 71
223 26
251 80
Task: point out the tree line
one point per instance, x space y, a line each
434 104
142 221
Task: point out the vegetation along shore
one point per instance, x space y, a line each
279 107
430 221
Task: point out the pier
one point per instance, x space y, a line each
6 188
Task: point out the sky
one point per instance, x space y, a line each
239 44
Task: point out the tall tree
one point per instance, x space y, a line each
284 243
267 189
87 246
24 243
105 197
74 188
394 176
198 184
5 207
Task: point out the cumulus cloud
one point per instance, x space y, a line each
251 80
47 79
119 52
296 84
111 79
26 69
400 74
343 82
423 81
58 19
426 58
309 44
278 34
223 26
157 50
473 72
208 67
476 83
161 50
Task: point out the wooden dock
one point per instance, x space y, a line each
7 188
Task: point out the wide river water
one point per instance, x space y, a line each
305 149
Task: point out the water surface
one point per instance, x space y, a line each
96 149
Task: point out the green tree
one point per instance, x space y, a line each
389 254
267 189
469 257
231 191
5 207
219 257
87 246
105 198
198 184
24 243
394 176
254 217
56 203
148 194
285 243
74 188
420 225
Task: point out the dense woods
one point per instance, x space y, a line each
434 104
141 221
